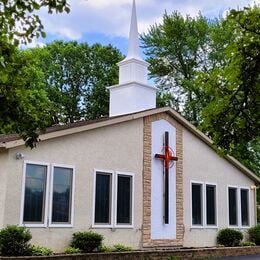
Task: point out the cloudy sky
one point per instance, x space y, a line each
107 21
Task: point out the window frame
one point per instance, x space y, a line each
248 207
48 195
202 206
239 216
204 224
99 225
128 174
113 206
46 199
66 166
216 205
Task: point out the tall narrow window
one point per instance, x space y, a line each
124 199
103 198
197 204
211 204
62 195
244 207
232 202
35 194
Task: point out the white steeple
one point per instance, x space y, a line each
133 94
133 44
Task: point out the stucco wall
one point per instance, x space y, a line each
117 147
202 164
3 179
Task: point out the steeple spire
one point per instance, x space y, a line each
132 94
133 44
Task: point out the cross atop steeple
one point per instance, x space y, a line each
133 44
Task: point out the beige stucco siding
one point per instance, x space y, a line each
202 164
116 147
3 180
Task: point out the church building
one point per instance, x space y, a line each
143 177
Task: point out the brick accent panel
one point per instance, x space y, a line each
146 236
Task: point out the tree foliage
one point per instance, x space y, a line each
19 22
209 72
24 104
25 108
76 76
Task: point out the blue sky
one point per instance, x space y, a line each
107 21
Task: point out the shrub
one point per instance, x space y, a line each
122 248
71 250
254 234
229 237
106 249
247 243
14 241
40 250
86 241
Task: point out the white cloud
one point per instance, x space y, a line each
112 17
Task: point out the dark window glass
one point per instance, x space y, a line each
61 196
196 204
124 192
34 197
211 204
244 208
232 201
103 198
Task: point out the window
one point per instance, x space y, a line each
238 206
197 204
232 201
203 205
103 198
211 204
124 199
113 188
40 184
244 207
35 194
62 180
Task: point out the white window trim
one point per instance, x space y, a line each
48 195
113 212
204 224
44 224
202 195
216 205
132 200
72 195
248 205
237 203
94 225
239 217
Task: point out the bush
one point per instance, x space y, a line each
14 241
40 250
106 249
122 248
247 243
71 250
229 237
87 241
254 234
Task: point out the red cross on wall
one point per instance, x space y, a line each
167 157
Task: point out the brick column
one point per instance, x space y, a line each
147 241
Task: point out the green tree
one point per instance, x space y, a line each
232 116
76 76
24 105
176 50
209 71
19 22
